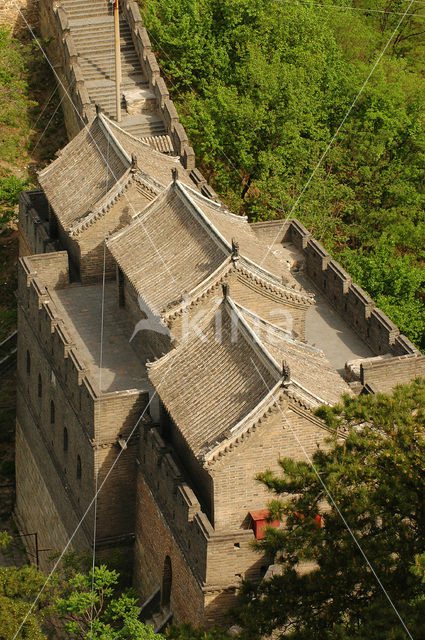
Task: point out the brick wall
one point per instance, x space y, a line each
148 344
33 224
90 241
170 521
35 416
154 541
259 299
39 493
270 307
236 492
271 231
383 376
57 375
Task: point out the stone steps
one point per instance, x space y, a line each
78 8
129 73
92 29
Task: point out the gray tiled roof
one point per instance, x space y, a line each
309 366
236 227
211 382
156 164
180 240
165 252
93 162
78 178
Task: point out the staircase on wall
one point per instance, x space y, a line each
151 612
92 29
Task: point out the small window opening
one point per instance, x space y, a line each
52 412
78 467
28 363
40 386
65 439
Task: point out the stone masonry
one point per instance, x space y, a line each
166 344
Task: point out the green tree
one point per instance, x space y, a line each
93 609
18 588
369 489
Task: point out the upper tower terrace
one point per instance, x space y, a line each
70 315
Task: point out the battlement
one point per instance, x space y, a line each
33 224
354 305
271 231
199 542
39 277
380 376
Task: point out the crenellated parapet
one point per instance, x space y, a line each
380 375
200 543
349 299
39 276
77 106
33 224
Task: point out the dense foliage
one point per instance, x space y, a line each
369 490
262 86
15 105
18 588
187 631
92 609
31 126
77 603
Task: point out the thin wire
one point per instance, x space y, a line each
154 394
311 463
47 125
46 105
102 328
378 60
341 6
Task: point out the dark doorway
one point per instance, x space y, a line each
167 577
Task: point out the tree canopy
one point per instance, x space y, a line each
368 487
262 87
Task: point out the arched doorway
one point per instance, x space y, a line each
167 577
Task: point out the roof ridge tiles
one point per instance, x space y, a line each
217 206
267 275
139 217
286 335
103 121
268 280
213 281
206 223
102 205
113 195
240 431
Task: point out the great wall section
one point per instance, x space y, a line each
79 37
169 501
